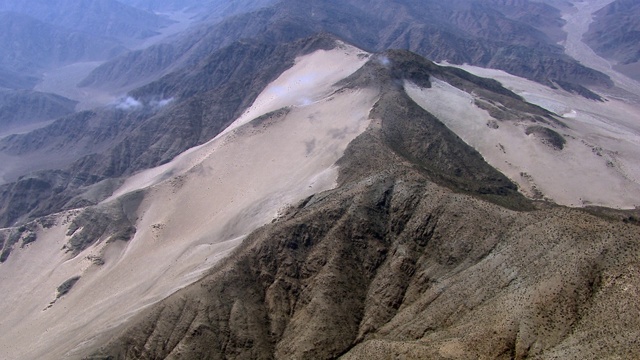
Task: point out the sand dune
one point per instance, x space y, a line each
195 211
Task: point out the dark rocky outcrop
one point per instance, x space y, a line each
114 221
66 286
547 136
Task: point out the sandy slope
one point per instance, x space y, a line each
196 209
598 165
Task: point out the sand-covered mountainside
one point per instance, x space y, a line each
184 216
422 251
361 205
587 156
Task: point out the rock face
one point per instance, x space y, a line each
204 216
615 34
410 256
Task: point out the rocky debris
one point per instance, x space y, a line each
114 221
10 237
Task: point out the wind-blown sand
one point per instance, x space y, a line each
195 211
598 165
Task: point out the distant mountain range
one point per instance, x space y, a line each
31 45
102 18
615 34
518 37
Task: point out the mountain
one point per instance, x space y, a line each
31 45
296 180
334 217
392 265
495 34
20 108
101 18
149 130
13 80
378 266
209 10
615 35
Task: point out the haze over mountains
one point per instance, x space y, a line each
614 34
286 179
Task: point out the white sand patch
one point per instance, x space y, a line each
598 165
198 208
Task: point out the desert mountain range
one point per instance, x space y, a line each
319 180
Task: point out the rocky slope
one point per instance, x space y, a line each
20 108
13 80
422 251
275 195
31 45
181 217
165 119
615 34
496 34
101 18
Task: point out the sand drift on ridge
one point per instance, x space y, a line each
195 210
597 165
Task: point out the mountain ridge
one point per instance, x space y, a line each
372 268
433 31
271 190
101 18
32 46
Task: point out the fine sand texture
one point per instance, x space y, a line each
194 211
597 165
